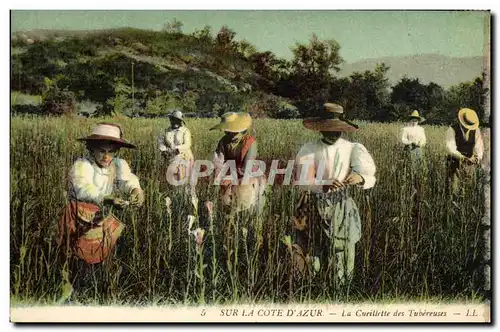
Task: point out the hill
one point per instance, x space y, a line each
443 70
138 72
161 69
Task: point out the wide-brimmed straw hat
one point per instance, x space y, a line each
234 122
330 120
108 132
468 119
416 115
177 115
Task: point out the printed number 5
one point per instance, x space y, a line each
203 312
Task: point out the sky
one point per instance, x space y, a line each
361 34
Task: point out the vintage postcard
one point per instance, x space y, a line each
250 166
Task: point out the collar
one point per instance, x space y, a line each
340 140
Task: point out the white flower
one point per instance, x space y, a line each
190 220
168 203
194 201
316 264
210 208
198 235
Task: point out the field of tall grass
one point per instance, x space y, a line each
416 243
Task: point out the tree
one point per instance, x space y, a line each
246 49
204 35
225 40
411 92
312 69
56 101
270 68
174 27
468 94
365 95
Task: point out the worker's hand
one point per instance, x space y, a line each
336 185
472 160
353 179
115 201
137 197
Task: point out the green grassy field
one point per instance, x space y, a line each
416 245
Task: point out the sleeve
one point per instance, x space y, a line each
305 171
81 183
127 181
363 164
404 137
479 147
187 141
423 138
451 145
161 143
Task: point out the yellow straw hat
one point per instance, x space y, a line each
416 115
234 122
469 120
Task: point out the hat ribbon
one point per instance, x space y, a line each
107 130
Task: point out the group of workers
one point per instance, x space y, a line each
326 212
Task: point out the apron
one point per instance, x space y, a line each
242 197
321 219
83 232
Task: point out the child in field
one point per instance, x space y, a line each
326 214
464 145
96 181
413 137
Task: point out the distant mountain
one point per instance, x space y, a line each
443 70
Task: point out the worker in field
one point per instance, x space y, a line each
413 137
239 146
464 145
97 182
326 221
175 145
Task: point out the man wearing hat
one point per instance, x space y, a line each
95 181
413 136
464 145
330 216
241 147
175 145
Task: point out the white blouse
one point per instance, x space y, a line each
413 134
91 183
337 160
179 138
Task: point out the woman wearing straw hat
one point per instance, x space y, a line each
413 136
241 147
175 145
96 181
464 145
327 209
